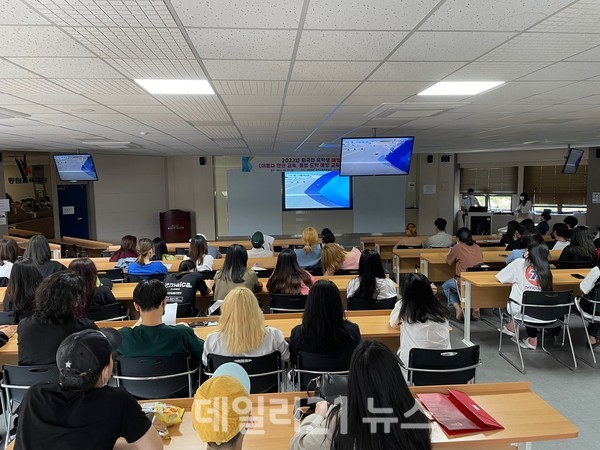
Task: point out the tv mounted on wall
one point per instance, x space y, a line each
316 190
573 160
376 156
75 167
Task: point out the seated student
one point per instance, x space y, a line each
143 266
183 285
9 253
288 277
466 253
161 253
512 234
440 239
526 240
38 250
242 330
371 282
560 231
589 283
309 256
257 250
334 258
235 273
327 237
127 250
543 226
375 380
54 318
221 411
20 292
582 249
199 254
571 222
423 317
94 292
149 336
324 328
81 411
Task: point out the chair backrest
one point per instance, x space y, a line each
428 367
208 274
112 311
106 254
7 317
486 267
265 372
265 273
315 271
185 310
3 281
311 365
285 303
346 272
112 274
182 251
574 264
357 303
138 278
547 305
17 379
153 377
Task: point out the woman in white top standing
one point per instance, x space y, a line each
523 210
9 253
199 253
242 330
371 282
423 317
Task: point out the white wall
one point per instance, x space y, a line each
130 193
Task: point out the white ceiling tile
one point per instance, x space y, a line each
582 16
304 100
28 86
68 67
176 69
244 14
321 88
38 41
347 45
374 100
14 12
328 70
592 54
57 99
249 88
391 87
147 109
229 132
243 44
365 15
247 70
494 71
255 109
9 70
490 15
100 86
576 71
415 71
257 100
561 93
123 99
448 46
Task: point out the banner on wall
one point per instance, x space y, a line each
289 163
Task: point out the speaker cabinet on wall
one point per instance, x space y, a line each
202 161
429 158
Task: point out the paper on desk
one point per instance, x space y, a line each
216 305
168 266
170 315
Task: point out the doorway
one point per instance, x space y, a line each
73 211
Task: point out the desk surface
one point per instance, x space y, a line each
392 240
526 417
560 277
488 256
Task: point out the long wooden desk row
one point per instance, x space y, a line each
172 246
24 242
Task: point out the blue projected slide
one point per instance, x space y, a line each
316 190
75 167
376 156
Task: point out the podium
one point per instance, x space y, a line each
175 225
480 223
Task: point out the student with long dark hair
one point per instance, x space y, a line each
94 292
199 253
511 236
423 317
161 252
327 236
127 249
528 238
143 266
235 273
288 277
531 273
581 250
9 253
371 284
324 327
376 392
38 250
20 292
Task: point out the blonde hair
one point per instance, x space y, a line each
143 247
411 229
242 322
332 258
310 238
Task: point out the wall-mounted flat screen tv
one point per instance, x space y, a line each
75 167
316 190
376 156
573 160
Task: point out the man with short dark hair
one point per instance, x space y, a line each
257 250
441 239
560 231
149 336
82 412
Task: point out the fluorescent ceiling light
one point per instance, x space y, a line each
460 87
177 87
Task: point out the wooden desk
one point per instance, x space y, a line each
22 233
171 246
482 290
24 242
526 418
92 248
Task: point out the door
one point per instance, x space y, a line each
73 211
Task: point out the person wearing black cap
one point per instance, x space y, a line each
257 250
81 411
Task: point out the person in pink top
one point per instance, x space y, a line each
334 258
288 277
466 253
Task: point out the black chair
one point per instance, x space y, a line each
4 281
114 275
153 377
346 272
362 304
264 273
16 380
106 254
551 309
266 372
185 310
208 274
182 251
427 367
277 248
588 307
7 317
286 303
112 311
315 271
138 278
408 246
487 267
222 249
574 264
311 365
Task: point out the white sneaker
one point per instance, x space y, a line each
506 331
525 344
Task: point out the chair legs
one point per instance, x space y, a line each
503 354
566 332
594 362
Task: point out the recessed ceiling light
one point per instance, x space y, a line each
177 87
460 87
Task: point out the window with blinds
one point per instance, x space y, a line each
499 180
553 187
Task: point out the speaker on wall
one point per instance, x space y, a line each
202 161
429 158
598 153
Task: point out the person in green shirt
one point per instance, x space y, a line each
149 336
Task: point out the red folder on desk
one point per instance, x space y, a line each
457 413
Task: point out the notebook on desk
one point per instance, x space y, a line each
457 413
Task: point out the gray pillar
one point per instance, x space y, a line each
593 185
